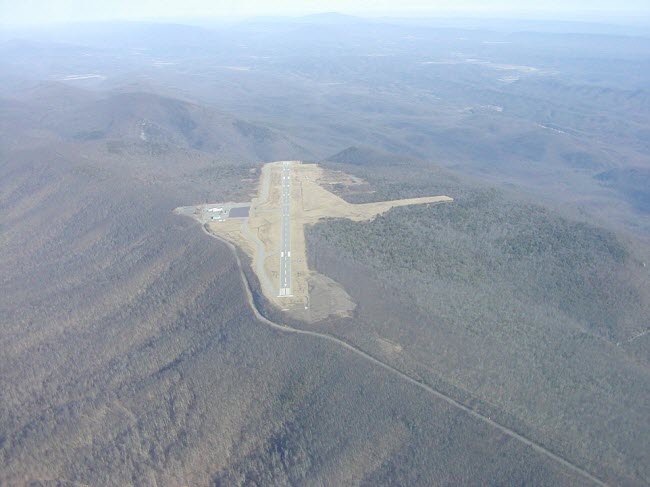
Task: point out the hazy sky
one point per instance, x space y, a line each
44 11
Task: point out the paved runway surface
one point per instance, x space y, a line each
285 237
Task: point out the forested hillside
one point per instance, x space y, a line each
525 314
499 340
130 356
127 120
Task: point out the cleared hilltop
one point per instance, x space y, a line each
501 339
259 233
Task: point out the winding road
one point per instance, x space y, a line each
434 392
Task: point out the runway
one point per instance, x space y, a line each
285 236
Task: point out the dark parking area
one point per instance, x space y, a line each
239 212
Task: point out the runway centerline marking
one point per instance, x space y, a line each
285 234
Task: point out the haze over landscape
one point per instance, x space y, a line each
360 243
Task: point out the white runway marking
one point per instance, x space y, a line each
285 244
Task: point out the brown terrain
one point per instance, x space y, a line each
258 234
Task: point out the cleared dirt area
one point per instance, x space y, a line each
261 234
315 202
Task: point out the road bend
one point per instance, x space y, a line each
407 378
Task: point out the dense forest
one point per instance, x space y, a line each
130 355
524 313
498 340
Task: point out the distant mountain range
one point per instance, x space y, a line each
145 119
